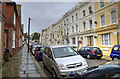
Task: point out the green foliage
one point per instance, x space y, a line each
35 36
25 36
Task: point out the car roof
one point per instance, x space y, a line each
57 46
116 45
91 46
38 46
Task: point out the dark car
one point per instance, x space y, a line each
90 52
39 52
115 53
108 71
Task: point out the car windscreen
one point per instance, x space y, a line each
63 52
96 49
39 48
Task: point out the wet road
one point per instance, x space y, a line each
91 62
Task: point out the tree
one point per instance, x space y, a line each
35 36
25 36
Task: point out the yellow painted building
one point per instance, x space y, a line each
107 20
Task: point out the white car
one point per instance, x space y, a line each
63 61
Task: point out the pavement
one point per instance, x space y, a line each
106 57
22 65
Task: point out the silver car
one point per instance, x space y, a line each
63 61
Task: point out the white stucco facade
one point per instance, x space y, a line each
87 34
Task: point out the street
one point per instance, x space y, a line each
91 62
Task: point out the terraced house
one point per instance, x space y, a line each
107 16
2 22
13 30
89 24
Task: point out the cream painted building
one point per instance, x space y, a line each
107 22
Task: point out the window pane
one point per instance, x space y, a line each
106 39
113 16
102 20
101 4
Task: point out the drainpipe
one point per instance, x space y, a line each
118 35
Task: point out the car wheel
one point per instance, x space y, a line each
54 74
115 58
88 56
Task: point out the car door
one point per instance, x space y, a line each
81 51
87 51
45 57
50 59
116 50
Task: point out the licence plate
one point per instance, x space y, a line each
72 73
98 55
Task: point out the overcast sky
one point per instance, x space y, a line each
43 14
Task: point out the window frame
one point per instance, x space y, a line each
76 16
83 13
102 21
13 40
90 23
90 9
73 42
84 26
72 18
104 40
113 17
72 29
102 4
76 28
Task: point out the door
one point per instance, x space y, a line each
45 57
82 51
50 59
116 50
87 51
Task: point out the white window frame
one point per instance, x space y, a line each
76 16
76 28
84 26
72 18
72 29
90 9
83 13
73 40
103 39
90 21
114 17
102 21
13 41
67 22
112 1
102 3
14 18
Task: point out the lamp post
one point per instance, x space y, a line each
28 33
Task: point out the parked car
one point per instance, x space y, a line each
63 61
106 71
39 52
115 53
33 48
90 52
